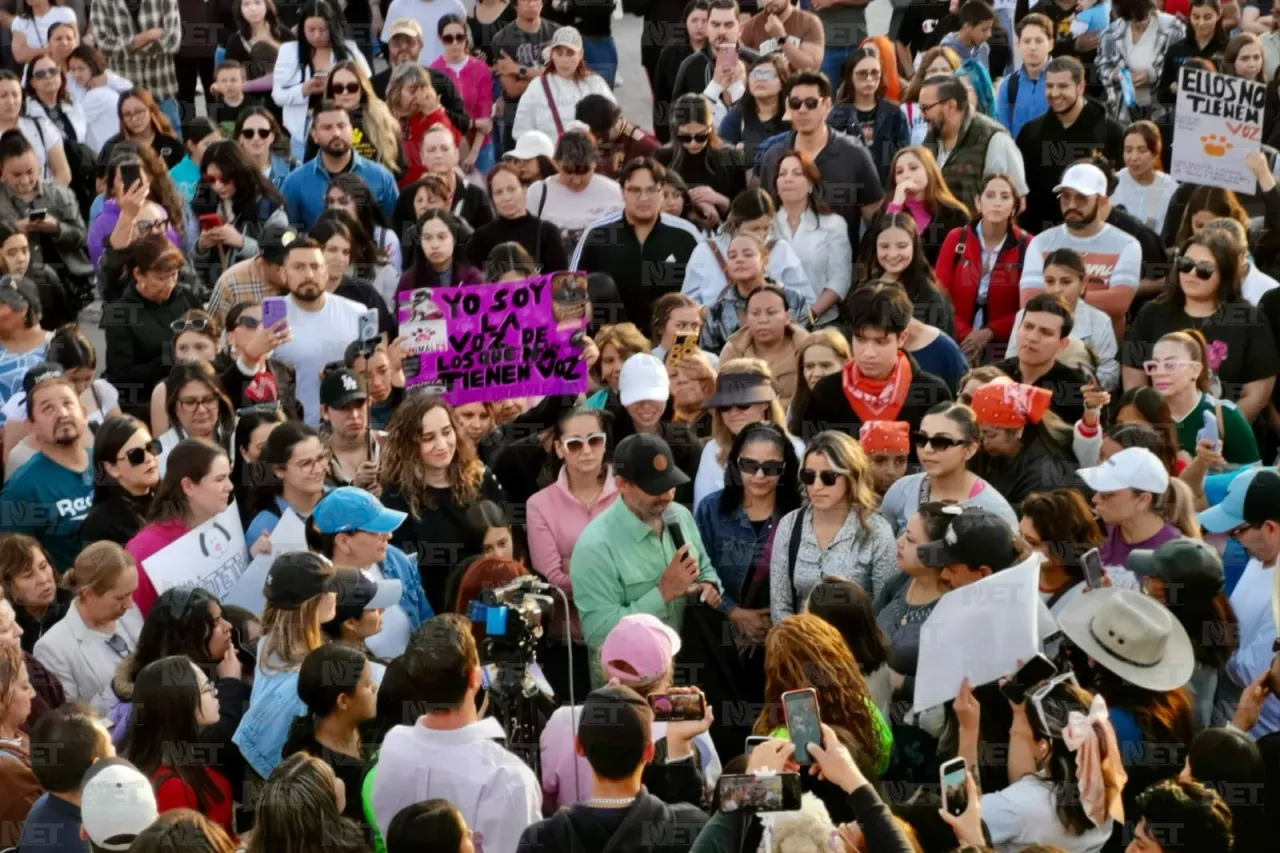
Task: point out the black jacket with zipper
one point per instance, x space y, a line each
648 826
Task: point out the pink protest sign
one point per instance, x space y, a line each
497 341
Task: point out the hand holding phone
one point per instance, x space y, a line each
274 310
677 707
1031 673
748 792
1094 574
369 325
804 726
1209 432
955 795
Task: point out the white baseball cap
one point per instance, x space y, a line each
1085 179
643 377
531 144
1131 468
116 803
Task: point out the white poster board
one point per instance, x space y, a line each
1218 121
289 535
212 556
980 632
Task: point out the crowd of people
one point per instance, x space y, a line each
1007 342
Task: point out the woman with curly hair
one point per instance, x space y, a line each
430 474
805 651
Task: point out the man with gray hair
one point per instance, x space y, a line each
968 145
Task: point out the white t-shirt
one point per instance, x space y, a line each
43 136
319 337
102 119
36 30
1148 204
428 14
1255 284
393 639
573 212
1022 814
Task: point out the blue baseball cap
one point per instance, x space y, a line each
1241 506
346 509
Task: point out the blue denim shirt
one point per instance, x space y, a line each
304 189
265 725
733 546
413 600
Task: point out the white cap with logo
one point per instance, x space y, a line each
1085 179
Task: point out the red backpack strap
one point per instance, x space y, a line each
551 103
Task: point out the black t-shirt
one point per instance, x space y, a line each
1237 331
921 28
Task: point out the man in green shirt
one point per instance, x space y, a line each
627 560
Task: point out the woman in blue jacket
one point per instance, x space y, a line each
863 111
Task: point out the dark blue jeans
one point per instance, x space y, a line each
601 54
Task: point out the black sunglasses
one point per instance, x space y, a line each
807 103
138 455
808 476
456 38
937 442
194 324
770 468
1203 270
345 88
43 73
248 322
686 138
262 132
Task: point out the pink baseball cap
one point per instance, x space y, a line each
640 648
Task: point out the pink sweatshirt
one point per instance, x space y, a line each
918 212
555 521
149 540
474 84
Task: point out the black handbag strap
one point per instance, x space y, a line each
793 548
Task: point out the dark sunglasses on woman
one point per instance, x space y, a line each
937 442
808 476
346 88
687 138
42 73
770 468
194 324
248 322
1203 270
454 38
138 455
262 132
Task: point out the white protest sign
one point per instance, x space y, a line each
980 632
1218 121
212 556
288 535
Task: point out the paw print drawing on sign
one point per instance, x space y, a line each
1215 146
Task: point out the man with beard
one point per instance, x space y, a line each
780 26
627 561
1073 129
967 145
1113 259
851 183
643 249
321 324
305 187
49 496
406 46
1044 331
719 70
1250 514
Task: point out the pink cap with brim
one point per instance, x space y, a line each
639 649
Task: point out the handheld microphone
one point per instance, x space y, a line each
671 519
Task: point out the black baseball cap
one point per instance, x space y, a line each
646 460
1190 563
19 293
342 387
358 591
1262 501
42 372
974 538
273 243
296 577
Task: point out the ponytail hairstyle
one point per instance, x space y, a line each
1059 768
327 673
1193 341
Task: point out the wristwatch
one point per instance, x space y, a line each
522 73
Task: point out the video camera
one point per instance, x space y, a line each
514 619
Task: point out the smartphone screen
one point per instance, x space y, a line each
803 723
748 792
955 798
130 174
273 311
677 707
1091 562
1032 673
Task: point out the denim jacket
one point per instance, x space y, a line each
413 600
733 545
265 726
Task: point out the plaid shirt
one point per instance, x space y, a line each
242 282
727 313
1113 48
152 66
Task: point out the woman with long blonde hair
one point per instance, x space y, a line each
415 104
377 133
839 530
823 353
916 186
805 651
435 478
299 599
